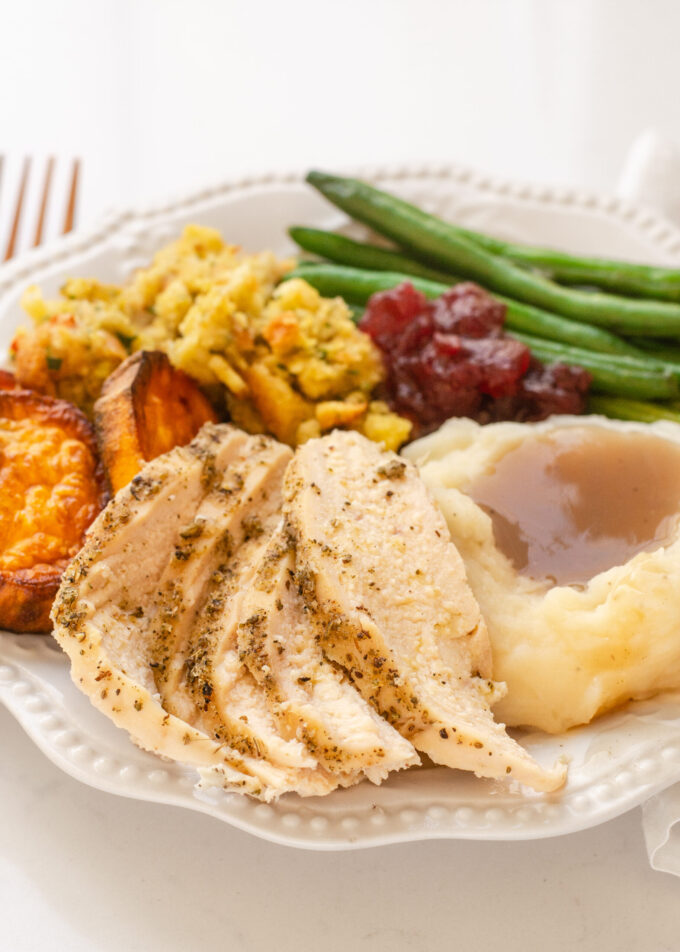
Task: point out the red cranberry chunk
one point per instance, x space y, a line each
503 362
449 357
468 309
556 388
389 313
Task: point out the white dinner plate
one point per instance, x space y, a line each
615 763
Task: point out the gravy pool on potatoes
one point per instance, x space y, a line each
570 534
572 503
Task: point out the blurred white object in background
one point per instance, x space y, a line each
651 174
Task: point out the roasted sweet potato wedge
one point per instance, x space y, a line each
7 380
52 486
146 408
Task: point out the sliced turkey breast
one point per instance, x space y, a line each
122 587
198 672
310 697
387 592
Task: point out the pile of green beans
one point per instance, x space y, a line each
367 259
629 345
437 243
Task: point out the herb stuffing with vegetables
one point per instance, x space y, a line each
275 358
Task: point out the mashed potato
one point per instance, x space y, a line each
566 651
282 358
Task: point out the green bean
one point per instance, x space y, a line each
621 277
435 242
357 254
531 320
614 374
622 409
661 349
356 286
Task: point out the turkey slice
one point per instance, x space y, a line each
310 697
197 669
388 593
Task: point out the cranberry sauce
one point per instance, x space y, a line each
449 357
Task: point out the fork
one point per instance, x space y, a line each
21 203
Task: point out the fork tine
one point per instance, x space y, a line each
11 244
47 181
72 197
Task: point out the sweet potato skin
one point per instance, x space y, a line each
146 408
52 486
26 598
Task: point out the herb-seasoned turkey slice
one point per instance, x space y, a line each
192 633
311 698
116 593
387 590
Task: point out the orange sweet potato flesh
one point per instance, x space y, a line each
52 486
8 380
146 408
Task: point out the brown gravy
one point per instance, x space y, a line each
570 504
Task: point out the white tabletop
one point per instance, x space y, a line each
83 871
158 97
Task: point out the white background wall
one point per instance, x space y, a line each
162 95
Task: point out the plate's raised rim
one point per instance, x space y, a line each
36 704
126 771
